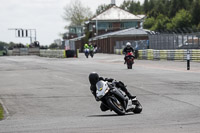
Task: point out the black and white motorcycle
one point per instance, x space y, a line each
115 99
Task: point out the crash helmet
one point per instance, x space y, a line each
128 44
93 78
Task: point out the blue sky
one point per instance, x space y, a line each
43 15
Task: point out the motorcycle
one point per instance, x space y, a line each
129 60
115 99
86 52
91 53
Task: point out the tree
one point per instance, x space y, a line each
198 27
160 7
182 19
146 6
173 8
196 12
177 5
125 5
132 6
151 5
149 22
53 46
138 8
102 8
160 23
76 14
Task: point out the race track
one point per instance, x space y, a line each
50 95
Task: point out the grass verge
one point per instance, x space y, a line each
1 112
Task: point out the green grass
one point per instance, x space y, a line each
1 112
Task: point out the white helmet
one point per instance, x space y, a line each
128 44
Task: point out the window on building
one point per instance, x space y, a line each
72 30
128 24
103 25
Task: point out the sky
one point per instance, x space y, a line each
43 15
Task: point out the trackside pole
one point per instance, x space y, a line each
188 59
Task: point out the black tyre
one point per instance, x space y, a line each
127 66
91 54
116 106
86 55
130 66
138 107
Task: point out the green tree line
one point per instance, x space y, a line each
167 14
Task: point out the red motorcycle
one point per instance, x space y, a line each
129 60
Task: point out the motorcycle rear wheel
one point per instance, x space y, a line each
129 65
116 106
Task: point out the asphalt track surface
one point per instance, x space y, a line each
50 95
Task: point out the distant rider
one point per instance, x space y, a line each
86 46
128 49
91 48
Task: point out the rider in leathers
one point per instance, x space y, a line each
94 78
128 49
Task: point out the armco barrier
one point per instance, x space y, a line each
180 54
25 51
53 53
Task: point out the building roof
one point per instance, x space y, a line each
126 32
77 38
115 13
141 16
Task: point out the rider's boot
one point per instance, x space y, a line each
130 96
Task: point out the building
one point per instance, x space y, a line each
74 32
112 29
112 19
106 43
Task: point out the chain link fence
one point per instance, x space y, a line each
137 45
165 41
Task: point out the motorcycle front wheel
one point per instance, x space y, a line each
116 106
138 107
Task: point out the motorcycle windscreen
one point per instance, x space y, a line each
100 85
101 88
